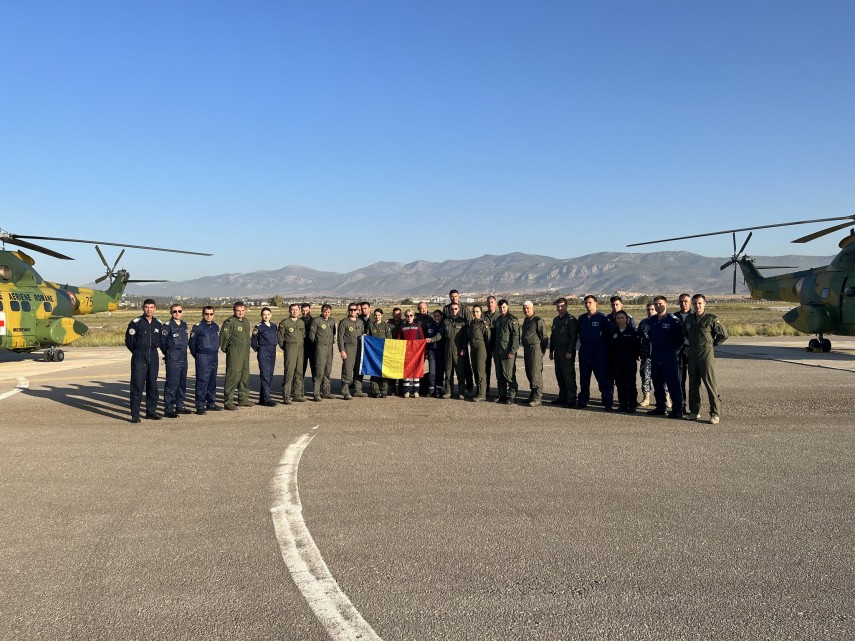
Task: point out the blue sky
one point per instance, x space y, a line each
334 134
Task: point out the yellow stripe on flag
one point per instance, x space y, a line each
393 358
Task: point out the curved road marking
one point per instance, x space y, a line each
311 575
23 384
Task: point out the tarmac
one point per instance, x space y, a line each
429 519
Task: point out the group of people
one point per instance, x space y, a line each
467 344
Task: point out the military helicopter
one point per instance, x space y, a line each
36 314
825 295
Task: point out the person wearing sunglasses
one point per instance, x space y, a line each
174 338
204 347
350 331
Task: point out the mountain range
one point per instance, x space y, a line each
515 273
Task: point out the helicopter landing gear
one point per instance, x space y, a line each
53 354
819 345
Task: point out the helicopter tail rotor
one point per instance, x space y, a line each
736 256
111 271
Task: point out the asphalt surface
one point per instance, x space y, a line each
439 519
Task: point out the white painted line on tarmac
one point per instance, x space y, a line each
311 575
23 384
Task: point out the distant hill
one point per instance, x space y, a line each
509 273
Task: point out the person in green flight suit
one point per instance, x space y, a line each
562 350
703 332
534 341
350 331
322 335
478 338
235 339
506 333
292 337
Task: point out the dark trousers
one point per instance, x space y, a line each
266 366
664 371
145 365
627 390
206 380
436 364
595 362
176 383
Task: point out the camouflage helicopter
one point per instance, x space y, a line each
825 295
36 314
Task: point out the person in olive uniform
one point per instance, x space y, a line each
379 329
704 332
562 350
292 337
466 313
478 338
204 347
534 342
142 338
350 331
506 331
235 338
322 335
490 316
264 342
174 338
308 348
683 313
454 334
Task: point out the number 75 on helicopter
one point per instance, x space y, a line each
37 314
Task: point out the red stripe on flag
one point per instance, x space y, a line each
414 359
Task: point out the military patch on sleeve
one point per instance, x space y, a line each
255 330
165 332
132 331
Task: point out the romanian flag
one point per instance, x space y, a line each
393 358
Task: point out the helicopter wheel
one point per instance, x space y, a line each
826 345
47 356
59 356
814 345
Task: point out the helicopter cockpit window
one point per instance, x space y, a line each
15 305
825 293
48 307
5 272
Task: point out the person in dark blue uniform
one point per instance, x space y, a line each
204 346
142 338
264 341
595 333
624 355
666 338
173 343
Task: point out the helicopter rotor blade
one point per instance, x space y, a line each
101 256
734 243
745 244
14 240
93 242
734 278
146 281
726 265
821 233
121 253
755 227
776 266
104 277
